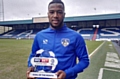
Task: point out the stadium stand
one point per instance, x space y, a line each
87 33
93 27
16 34
109 33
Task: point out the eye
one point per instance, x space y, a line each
60 12
51 12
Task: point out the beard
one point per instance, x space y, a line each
57 27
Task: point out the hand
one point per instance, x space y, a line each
30 69
61 74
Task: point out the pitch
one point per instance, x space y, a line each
14 54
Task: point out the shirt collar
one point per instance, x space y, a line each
60 29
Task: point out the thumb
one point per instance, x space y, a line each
58 72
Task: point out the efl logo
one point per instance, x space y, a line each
42 60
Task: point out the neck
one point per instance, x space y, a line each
58 27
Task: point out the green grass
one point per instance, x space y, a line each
92 45
14 55
13 58
111 75
97 61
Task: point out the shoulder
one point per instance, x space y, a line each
78 37
75 33
43 31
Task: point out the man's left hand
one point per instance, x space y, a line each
60 74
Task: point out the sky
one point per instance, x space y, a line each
28 9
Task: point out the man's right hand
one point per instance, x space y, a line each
30 69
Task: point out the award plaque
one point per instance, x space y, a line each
44 63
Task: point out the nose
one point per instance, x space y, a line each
55 14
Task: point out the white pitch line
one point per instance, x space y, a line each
96 49
112 60
101 72
111 69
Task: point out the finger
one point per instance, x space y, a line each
61 74
30 69
58 72
28 77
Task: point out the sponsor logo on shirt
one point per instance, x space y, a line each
45 41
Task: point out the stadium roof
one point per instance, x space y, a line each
15 22
93 17
68 19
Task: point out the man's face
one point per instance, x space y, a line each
56 15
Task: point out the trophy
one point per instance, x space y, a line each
44 63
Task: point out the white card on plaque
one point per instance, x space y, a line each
42 75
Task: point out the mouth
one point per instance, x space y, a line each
55 21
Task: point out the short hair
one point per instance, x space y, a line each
57 1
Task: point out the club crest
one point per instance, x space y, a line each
65 42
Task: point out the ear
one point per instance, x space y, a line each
64 14
48 14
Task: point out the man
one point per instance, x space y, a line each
66 44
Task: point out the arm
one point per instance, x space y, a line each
35 47
82 54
